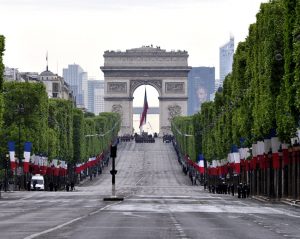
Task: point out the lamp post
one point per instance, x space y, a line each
20 110
102 148
6 168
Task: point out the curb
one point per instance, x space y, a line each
293 203
262 199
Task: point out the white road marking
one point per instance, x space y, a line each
67 223
139 180
199 208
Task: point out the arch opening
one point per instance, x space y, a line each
152 120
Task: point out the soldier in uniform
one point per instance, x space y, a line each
239 189
232 189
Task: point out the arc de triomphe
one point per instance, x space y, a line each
166 71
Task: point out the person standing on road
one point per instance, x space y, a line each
51 186
239 189
28 185
34 184
244 191
232 189
72 186
67 187
248 190
193 178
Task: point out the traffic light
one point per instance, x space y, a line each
113 151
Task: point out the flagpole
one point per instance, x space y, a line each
47 60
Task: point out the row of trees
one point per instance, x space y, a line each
55 127
261 97
184 133
1 83
1 76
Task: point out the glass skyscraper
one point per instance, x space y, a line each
77 80
96 96
226 60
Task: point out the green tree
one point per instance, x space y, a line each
2 48
25 106
78 136
61 122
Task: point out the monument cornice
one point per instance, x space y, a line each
147 54
145 74
118 98
149 68
173 98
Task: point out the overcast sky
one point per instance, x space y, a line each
79 31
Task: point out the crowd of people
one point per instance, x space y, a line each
144 138
243 190
167 138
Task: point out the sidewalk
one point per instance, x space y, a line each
287 201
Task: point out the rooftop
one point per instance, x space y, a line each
47 73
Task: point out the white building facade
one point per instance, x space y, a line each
56 87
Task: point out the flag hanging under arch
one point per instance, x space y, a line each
145 109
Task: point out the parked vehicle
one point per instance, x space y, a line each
37 182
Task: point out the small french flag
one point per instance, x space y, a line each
27 150
201 163
11 149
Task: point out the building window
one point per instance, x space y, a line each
55 87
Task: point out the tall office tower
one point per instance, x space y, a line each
96 96
226 60
77 80
201 86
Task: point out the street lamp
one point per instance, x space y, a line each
6 168
20 110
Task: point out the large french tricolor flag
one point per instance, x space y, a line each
145 109
27 150
201 163
237 159
11 149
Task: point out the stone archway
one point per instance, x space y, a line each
165 71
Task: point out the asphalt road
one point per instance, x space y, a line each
160 202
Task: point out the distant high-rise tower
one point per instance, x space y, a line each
77 80
201 85
226 60
96 96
